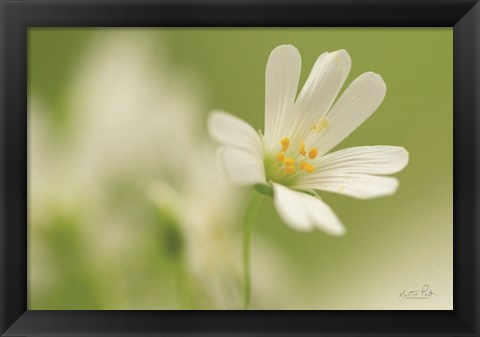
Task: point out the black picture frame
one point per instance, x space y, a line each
18 15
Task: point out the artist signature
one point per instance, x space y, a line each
422 294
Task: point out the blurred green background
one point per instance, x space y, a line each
117 129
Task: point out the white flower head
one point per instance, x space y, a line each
290 159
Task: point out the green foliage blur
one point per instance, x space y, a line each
98 239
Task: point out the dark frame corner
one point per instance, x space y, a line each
15 18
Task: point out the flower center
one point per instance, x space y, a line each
290 162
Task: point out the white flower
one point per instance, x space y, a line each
291 157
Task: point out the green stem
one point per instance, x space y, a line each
251 213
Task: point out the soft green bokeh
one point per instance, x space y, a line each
392 244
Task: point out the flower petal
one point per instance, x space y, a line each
281 82
230 130
357 103
360 186
365 159
241 166
304 212
319 92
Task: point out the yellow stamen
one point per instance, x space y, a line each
280 157
285 142
321 125
302 149
307 167
289 161
313 153
290 169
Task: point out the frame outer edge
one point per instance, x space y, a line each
2 206
13 227
476 72
8 315
466 168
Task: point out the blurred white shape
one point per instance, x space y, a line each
132 109
134 120
207 210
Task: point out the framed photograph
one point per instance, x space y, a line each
192 168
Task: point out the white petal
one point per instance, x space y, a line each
320 90
365 159
304 212
242 167
281 82
356 104
360 186
230 130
